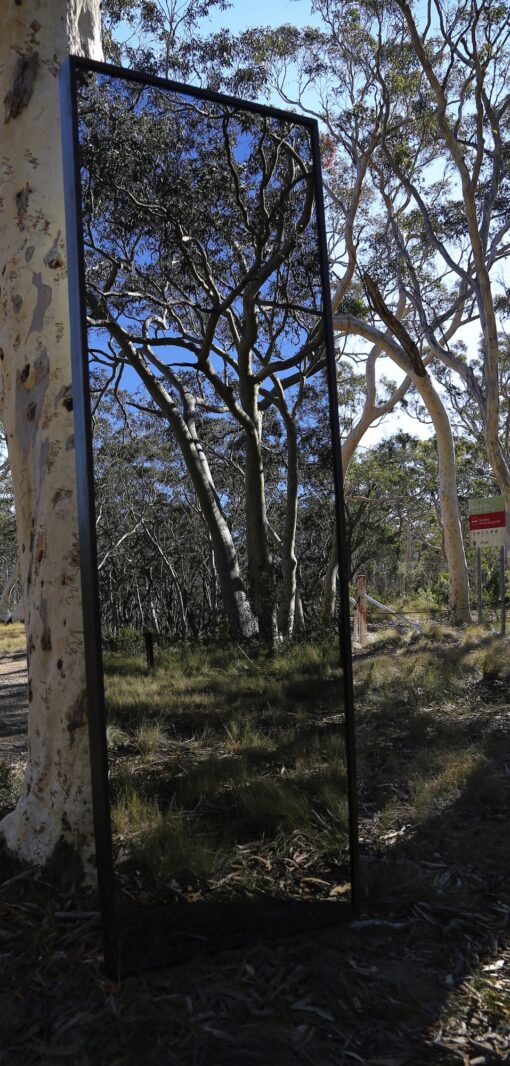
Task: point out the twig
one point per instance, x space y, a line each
19 877
76 914
365 923
247 657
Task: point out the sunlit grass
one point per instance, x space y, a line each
234 746
431 794
12 638
222 749
132 812
149 737
243 736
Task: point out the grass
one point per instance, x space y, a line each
233 749
12 638
149 738
215 749
228 780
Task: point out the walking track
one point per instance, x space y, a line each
13 708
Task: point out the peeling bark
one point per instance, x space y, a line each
35 377
20 94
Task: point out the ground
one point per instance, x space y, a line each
423 977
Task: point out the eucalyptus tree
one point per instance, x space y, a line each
9 556
461 57
35 407
440 172
155 564
202 276
337 72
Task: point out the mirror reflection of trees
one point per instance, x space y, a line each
214 491
203 282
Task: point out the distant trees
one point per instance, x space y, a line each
156 564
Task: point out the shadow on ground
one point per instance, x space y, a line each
422 979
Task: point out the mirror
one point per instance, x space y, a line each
205 459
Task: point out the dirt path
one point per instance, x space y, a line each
13 707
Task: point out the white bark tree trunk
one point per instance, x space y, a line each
35 402
8 589
289 561
261 574
242 622
458 577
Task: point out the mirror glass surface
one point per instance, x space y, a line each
214 499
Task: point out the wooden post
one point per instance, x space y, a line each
149 648
355 625
502 588
479 585
361 583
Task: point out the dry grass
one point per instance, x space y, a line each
12 638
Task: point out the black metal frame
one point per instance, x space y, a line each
70 73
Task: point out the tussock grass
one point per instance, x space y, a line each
12 639
132 812
234 748
430 794
149 737
249 752
175 852
244 737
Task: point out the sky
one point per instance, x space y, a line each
243 14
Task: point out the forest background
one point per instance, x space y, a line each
402 491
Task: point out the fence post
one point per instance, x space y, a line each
479 585
502 585
355 625
361 610
149 648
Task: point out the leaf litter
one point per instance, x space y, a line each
422 978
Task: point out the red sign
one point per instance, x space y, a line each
491 520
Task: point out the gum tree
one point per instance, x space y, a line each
356 73
36 410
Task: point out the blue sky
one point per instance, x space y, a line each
264 13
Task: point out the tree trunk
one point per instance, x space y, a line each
409 360
289 561
261 574
328 605
458 578
236 604
36 405
8 589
